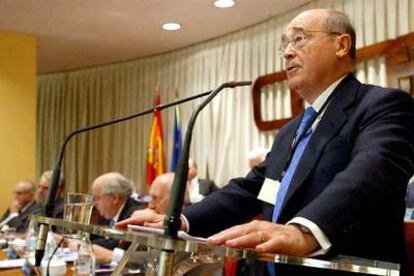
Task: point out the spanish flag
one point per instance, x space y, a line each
155 160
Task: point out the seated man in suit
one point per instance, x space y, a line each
410 194
112 196
43 187
198 188
335 179
160 192
22 206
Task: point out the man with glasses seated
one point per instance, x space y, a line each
112 197
160 193
43 187
17 216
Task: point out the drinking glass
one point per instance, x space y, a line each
78 208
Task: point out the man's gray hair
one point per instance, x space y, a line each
48 175
116 183
337 21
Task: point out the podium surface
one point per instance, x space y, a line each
339 263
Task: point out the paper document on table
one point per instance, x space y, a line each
12 263
181 234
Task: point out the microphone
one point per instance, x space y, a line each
172 221
54 181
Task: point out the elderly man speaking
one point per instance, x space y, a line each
335 179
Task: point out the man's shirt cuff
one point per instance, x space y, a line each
117 255
187 230
320 236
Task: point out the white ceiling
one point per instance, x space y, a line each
80 33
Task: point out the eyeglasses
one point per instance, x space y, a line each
21 192
299 40
99 197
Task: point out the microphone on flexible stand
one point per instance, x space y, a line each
54 182
172 221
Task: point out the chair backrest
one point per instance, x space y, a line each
400 64
409 242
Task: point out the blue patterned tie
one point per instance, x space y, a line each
307 119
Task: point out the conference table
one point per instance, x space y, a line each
18 271
201 250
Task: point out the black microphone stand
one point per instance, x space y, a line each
172 221
54 181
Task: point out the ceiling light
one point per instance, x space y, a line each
171 26
224 3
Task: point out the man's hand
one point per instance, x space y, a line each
73 245
103 255
144 212
15 206
149 218
267 237
146 217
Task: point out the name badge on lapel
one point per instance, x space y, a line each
269 191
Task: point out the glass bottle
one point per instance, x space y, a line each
84 265
31 239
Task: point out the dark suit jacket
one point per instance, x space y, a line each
130 206
22 221
57 211
410 195
206 186
59 206
350 181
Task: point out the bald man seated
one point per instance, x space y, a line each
160 193
23 205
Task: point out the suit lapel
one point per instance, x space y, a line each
329 126
281 150
124 212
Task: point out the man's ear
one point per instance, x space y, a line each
343 45
115 197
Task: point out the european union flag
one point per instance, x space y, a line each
178 143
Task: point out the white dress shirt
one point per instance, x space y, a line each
194 190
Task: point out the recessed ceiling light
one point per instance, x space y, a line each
172 26
224 3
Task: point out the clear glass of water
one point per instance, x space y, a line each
78 208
